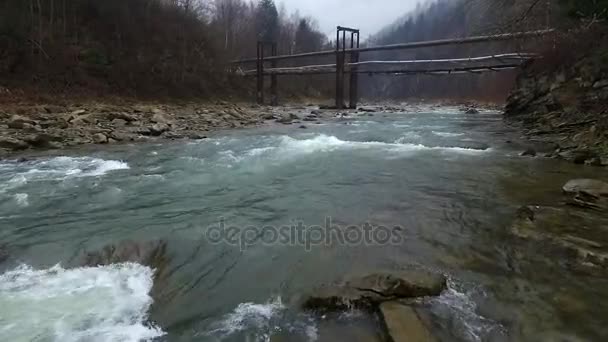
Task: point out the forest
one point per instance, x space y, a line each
140 47
180 48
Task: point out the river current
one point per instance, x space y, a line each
450 182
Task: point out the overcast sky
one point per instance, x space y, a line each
367 15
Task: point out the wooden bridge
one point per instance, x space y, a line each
348 45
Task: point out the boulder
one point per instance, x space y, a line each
121 116
100 138
587 193
20 122
159 117
471 111
575 236
600 84
403 324
316 112
530 152
287 118
13 144
44 140
592 187
197 136
303 127
369 291
59 123
121 136
119 122
367 110
158 129
82 120
152 254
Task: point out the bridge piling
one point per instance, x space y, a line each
260 73
354 76
274 96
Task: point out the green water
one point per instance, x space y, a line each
450 181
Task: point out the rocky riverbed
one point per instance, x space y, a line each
28 128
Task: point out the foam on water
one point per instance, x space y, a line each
324 143
63 168
22 200
447 134
261 321
461 306
107 303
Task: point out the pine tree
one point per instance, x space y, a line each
267 21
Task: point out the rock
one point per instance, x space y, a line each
59 123
196 136
51 109
367 110
44 140
327 107
316 112
403 324
303 127
13 144
369 291
158 129
600 84
159 117
528 153
78 112
577 156
119 122
121 116
82 120
152 254
587 193
576 236
471 111
591 187
121 136
269 116
99 138
287 118
309 119
20 122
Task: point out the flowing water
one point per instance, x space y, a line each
450 181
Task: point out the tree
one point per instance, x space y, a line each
307 39
267 21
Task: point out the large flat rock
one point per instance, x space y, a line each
367 292
403 324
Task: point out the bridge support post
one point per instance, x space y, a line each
354 76
274 97
260 73
339 70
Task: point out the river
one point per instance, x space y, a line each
451 182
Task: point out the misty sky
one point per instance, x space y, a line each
367 15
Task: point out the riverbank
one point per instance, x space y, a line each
32 128
561 101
